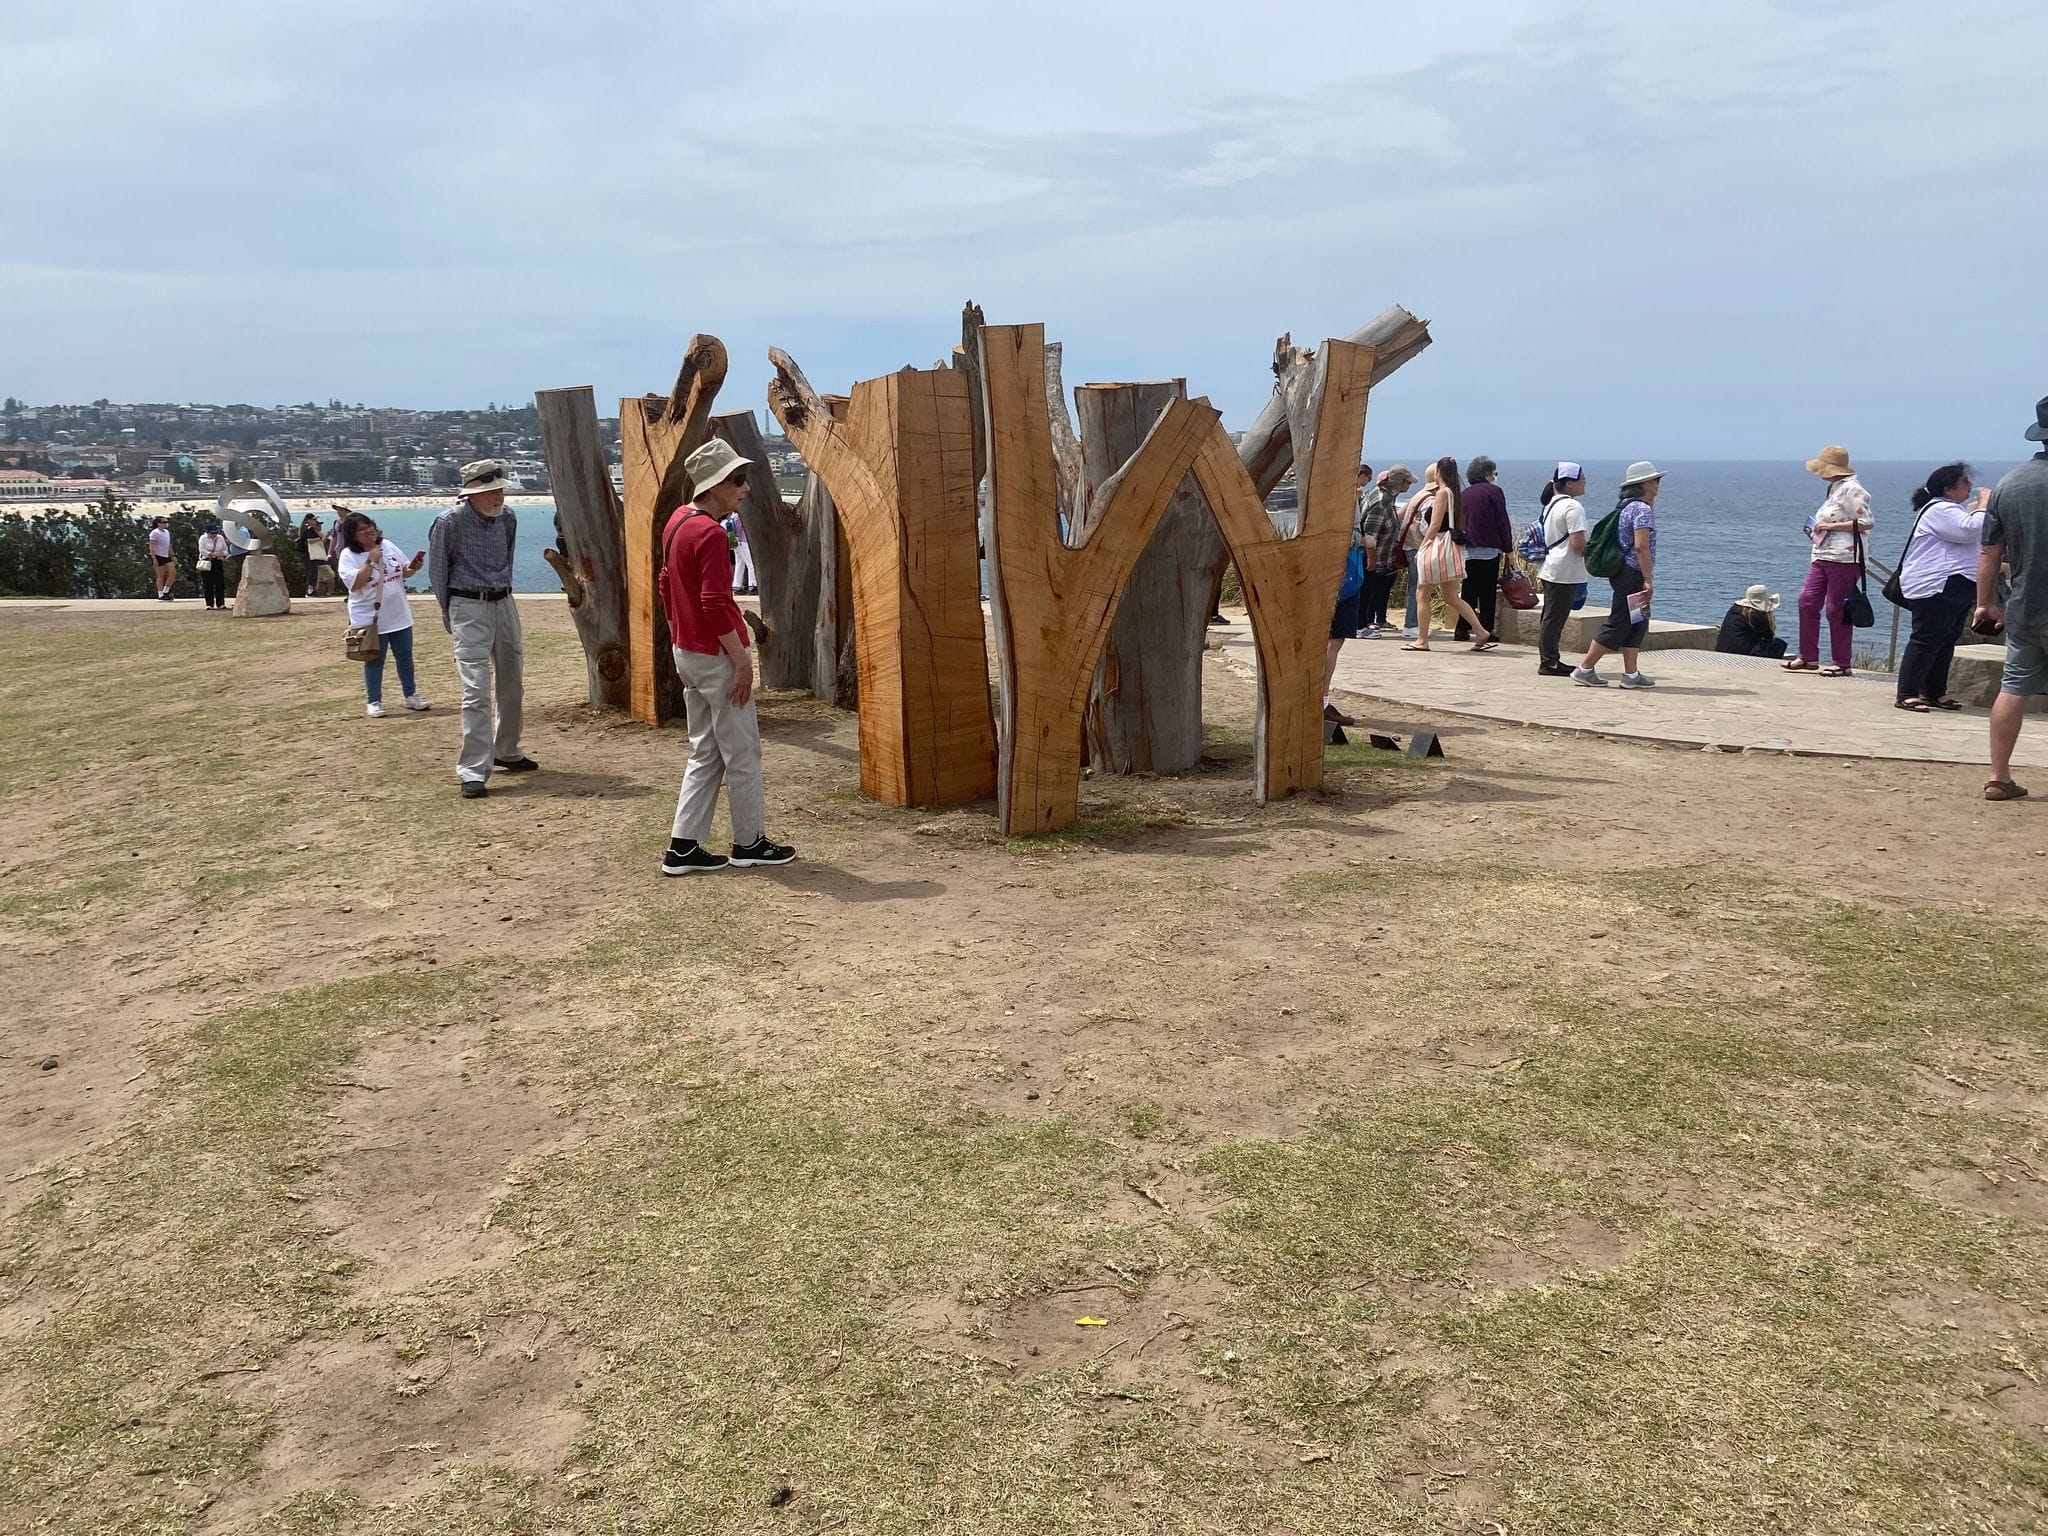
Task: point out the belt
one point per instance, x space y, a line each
489 595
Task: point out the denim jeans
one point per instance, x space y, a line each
398 646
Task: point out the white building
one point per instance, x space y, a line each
24 485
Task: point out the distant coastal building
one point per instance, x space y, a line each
24 484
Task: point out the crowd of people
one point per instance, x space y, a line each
1973 558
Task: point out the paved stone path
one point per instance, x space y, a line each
1701 699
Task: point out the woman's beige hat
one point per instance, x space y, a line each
1832 463
1761 598
713 463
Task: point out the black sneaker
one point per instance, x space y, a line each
762 851
473 789
1545 669
519 764
690 858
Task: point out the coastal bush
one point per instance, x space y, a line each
102 550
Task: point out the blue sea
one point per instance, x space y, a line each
1722 523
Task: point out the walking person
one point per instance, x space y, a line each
1938 579
1489 535
1750 626
1563 570
373 575
2016 539
469 565
1414 520
1634 582
1838 530
214 551
1379 525
1346 619
312 545
717 669
742 555
1439 565
161 561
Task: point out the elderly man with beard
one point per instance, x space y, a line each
469 564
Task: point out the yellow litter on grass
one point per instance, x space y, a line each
1092 1322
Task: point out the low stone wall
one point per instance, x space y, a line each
1520 626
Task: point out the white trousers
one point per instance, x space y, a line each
742 568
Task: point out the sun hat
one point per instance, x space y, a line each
712 463
2038 432
1641 471
1761 598
1567 470
1396 471
1831 463
486 475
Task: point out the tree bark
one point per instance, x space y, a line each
1145 710
1291 583
832 641
785 560
655 437
1268 451
1053 601
901 471
592 562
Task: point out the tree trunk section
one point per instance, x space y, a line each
1053 602
1145 712
655 437
592 562
832 641
785 560
1291 583
901 472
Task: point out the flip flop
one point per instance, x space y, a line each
1488 644
1836 672
1948 703
2003 789
1414 647
1917 706
1796 665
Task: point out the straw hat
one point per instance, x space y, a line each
1760 598
1831 463
486 475
713 463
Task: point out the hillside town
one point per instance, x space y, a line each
51 454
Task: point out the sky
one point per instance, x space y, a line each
1728 228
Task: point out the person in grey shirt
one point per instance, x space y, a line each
469 565
2016 537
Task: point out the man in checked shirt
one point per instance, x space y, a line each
469 564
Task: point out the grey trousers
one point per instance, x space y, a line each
487 641
725 748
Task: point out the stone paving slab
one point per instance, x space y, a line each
1702 698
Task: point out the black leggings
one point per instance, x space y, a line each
1379 586
1482 587
213 585
1938 621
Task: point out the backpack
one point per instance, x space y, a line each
1603 546
1534 548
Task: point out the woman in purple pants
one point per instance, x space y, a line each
1841 524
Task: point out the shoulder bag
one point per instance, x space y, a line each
1856 610
361 642
1894 588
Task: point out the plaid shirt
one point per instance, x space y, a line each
1379 519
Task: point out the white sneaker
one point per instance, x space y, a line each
414 701
375 711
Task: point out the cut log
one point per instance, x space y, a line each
832 640
1145 710
1053 602
900 468
655 437
1396 338
592 561
1291 583
785 559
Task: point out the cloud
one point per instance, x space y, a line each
1718 226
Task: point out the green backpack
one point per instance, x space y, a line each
1603 546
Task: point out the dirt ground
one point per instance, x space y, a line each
1565 1136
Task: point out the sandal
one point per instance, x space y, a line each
1490 643
1836 672
2003 789
1917 706
1415 645
1948 703
1798 665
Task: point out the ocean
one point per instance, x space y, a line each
1722 524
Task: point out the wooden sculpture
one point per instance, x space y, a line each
655 437
1053 599
833 669
1145 715
785 560
1291 583
900 467
591 524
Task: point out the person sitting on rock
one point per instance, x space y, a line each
1747 628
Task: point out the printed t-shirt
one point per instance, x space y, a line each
1637 514
393 613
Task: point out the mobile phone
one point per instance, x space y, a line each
1988 627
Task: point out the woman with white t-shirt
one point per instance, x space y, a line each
373 573
1938 578
1563 570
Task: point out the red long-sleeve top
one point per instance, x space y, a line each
696 583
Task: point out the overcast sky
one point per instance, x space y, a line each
1729 228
